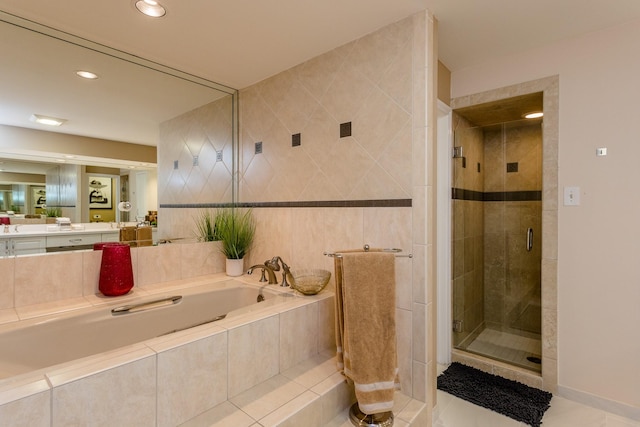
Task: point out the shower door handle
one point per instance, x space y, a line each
529 239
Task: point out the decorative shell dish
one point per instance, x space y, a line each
309 281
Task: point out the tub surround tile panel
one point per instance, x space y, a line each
7 268
335 395
298 335
91 401
191 379
199 259
91 261
246 369
158 264
46 278
404 331
33 410
326 324
69 280
167 390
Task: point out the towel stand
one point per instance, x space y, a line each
366 248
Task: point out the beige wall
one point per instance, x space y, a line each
22 140
444 83
598 289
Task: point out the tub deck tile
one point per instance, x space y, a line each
266 397
8 315
223 415
314 370
55 307
92 365
304 410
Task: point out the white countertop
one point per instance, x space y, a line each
44 230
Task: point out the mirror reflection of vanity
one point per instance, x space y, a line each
105 151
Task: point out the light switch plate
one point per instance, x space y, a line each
571 196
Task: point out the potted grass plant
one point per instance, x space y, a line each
236 229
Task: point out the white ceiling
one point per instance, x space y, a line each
240 42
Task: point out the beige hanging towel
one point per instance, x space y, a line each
365 326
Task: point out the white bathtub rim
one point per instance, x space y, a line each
44 379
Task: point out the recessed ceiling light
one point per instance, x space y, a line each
533 115
151 8
44 120
87 75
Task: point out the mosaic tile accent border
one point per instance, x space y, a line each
388 203
496 196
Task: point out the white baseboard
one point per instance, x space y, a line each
618 408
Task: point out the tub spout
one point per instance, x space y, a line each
270 273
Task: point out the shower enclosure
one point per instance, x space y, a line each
496 242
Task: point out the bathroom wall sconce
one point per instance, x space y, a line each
151 8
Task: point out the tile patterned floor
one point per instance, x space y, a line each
454 412
507 347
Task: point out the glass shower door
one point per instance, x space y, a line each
497 241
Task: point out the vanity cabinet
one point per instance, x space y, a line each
22 246
74 242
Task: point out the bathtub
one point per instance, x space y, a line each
42 342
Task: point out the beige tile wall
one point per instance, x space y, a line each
201 132
40 283
383 84
378 84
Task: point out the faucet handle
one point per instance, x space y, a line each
273 263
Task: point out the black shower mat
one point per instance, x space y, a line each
507 397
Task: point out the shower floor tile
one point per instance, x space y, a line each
507 347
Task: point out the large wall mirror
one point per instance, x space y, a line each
105 150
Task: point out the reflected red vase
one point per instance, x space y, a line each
116 271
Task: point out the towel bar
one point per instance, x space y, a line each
366 248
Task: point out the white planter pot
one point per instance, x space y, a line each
235 267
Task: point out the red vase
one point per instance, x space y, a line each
116 271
